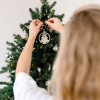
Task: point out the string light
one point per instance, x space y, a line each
45 14
46 58
9 97
41 46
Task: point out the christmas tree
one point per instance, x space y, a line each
44 51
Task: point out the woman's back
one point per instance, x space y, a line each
76 75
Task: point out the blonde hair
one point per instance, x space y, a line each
77 64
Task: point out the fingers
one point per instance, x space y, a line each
40 24
36 20
37 23
51 20
49 23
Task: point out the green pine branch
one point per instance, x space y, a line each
4 83
3 70
53 4
33 14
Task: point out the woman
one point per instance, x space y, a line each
77 66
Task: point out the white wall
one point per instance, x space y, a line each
14 12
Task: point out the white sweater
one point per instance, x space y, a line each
25 88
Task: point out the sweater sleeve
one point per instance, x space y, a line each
25 88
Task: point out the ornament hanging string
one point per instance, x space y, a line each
44 27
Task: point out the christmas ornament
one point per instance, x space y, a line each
33 48
25 35
15 44
13 71
55 48
47 82
17 50
7 55
39 70
44 37
49 67
8 74
18 46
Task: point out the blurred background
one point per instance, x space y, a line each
14 12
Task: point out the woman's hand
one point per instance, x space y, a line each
55 24
34 27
